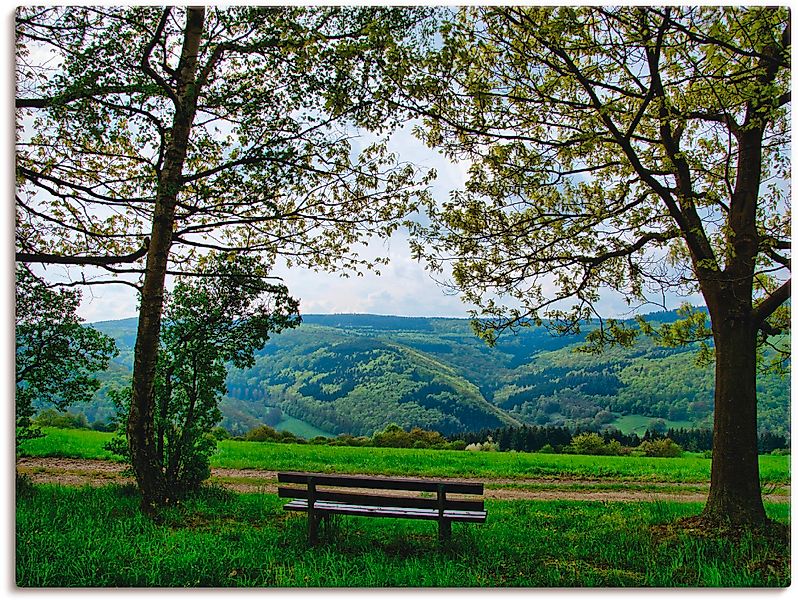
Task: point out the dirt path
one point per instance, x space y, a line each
72 471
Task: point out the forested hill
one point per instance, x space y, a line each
358 373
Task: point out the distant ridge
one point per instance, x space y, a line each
356 373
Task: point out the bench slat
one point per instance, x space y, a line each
394 512
374 500
382 483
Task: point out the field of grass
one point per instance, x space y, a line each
638 424
75 443
300 428
97 537
690 468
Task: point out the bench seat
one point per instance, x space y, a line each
432 514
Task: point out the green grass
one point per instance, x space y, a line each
72 443
300 428
639 423
86 537
690 468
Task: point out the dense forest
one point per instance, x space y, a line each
357 373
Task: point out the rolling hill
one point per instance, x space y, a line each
357 373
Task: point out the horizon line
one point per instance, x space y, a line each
394 316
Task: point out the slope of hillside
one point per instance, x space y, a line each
343 382
358 373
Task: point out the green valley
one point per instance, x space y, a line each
357 373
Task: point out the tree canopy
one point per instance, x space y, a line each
160 134
270 164
609 149
640 149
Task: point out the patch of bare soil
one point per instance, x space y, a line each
77 472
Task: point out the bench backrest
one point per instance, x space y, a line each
312 482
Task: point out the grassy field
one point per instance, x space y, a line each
300 428
639 423
690 468
97 537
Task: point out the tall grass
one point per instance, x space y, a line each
73 443
98 538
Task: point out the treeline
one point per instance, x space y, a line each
527 438
393 436
533 438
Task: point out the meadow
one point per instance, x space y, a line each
97 536
690 468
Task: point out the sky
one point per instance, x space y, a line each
403 287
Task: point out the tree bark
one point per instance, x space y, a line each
734 494
141 432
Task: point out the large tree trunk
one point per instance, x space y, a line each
734 494
141 433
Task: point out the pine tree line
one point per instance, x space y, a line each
531 438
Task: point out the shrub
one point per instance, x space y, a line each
262 433
428 439
547 449
457 445
488 446
63 420
586 443
393 436
109 426
220 433
24 487
664 448
613 448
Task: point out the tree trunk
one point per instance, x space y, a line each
141 432
734 495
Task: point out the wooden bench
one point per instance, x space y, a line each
322 495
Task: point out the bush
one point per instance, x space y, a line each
220 433
393 436
547 449
663 448
195 466
109 426
24 487
262 433
586 443
613 448
593 444
63 420
488 446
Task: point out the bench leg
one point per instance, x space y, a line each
313 527
444 530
